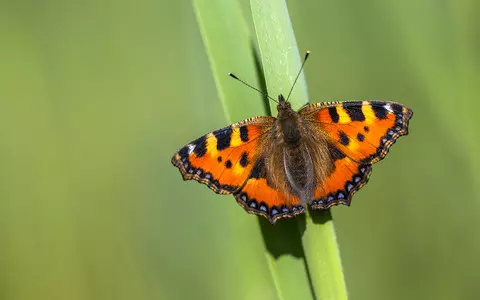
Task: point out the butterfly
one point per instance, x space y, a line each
320 155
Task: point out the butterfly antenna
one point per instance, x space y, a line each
299 72
254 88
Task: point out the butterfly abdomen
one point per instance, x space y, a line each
298 167
297 161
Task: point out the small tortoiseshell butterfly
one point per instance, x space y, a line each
320 155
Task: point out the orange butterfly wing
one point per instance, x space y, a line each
360 133
223 159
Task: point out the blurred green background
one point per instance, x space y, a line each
96 96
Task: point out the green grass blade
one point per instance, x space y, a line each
228 44
278 50
323 257
281 62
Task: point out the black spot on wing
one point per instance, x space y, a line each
200 146
335 152
244 134
244 159
228 164
223 137
380 112
333 114
183 152
397 108
344 140
219 159
354 112
366 128
360 137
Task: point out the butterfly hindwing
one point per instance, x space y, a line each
223 159
259 196
363 130
347 177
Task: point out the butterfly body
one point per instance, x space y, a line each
293 151
320 155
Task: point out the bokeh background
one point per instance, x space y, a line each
96 96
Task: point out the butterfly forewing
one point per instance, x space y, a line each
223 159
363 130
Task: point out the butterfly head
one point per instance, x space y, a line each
284 108
282 103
